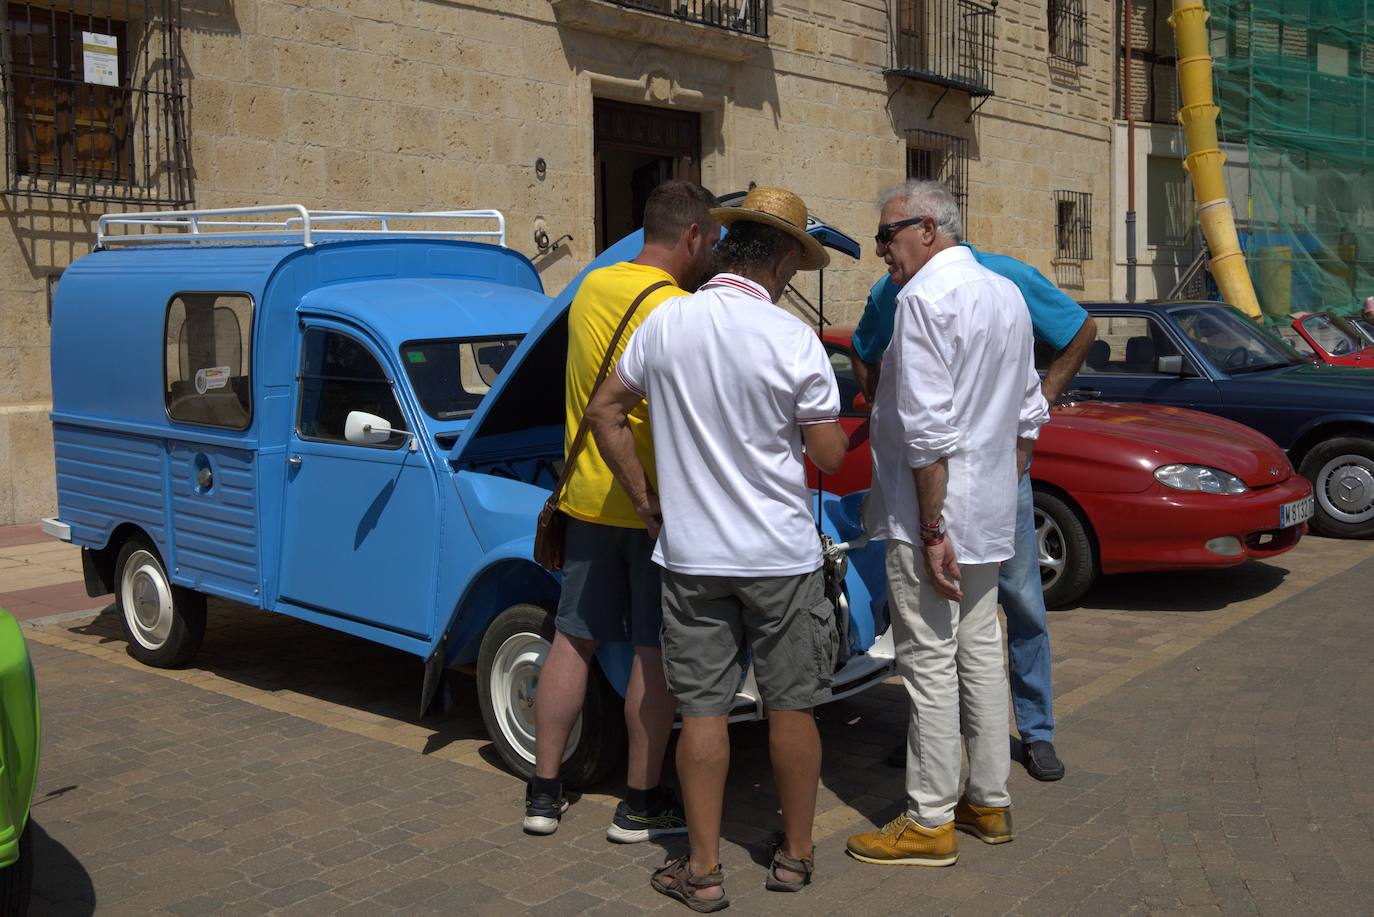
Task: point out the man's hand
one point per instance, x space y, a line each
943 569
650 513
1024 449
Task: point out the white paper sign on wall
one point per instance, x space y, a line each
101 56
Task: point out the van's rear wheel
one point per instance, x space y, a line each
164 624
508 666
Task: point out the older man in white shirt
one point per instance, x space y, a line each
957 410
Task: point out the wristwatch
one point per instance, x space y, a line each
933 532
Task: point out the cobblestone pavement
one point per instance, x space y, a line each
1219 762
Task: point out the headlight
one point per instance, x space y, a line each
1199 478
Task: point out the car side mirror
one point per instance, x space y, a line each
368 429
861 403
1170 366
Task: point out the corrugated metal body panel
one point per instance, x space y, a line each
215 527
106 478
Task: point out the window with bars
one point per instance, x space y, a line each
1068 24
1073 225
932 156
93 101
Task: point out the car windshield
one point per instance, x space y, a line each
1232 342
451 376
1333 335
1364 328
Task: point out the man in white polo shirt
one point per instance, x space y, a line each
735 386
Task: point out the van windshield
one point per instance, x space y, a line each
451 376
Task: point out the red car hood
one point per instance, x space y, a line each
1163 435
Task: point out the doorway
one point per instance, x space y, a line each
638 148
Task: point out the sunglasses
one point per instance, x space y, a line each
886 231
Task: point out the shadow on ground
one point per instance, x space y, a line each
1186 591
61 884
273 653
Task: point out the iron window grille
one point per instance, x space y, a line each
747 16
932 156
1073 225
950 43
1068 25
94 105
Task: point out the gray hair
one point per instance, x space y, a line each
928 199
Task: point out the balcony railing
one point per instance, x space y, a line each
747 16
950 43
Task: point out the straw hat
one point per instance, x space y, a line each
782 210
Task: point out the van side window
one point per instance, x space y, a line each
209 359
339 375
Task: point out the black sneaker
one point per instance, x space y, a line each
542 812
665 817
1041 761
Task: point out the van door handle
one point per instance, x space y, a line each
294 460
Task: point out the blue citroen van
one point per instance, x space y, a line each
352 419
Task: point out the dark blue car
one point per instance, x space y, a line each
1210 357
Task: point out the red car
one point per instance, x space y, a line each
1331 339
1128 488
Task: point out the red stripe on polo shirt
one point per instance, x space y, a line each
744 285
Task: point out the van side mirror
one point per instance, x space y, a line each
369 429
1170 366
860 403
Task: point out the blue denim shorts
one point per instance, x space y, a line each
611 590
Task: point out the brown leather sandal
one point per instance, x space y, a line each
685 887
806 866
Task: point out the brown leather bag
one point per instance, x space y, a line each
551 530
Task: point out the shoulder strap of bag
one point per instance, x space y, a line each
580 437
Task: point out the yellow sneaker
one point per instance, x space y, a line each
903 842
990 824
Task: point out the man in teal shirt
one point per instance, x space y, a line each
1062 324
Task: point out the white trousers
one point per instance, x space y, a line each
949 655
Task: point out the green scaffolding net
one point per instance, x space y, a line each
1295 82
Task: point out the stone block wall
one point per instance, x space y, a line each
421 104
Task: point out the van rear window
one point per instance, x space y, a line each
451 376
208 359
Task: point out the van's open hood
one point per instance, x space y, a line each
553 318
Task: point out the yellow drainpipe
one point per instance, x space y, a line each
1198 115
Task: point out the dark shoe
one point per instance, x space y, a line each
664 817
897 757
543 811
1041 761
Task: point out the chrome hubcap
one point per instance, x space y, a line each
147 600
514 681
1050 549
1345 488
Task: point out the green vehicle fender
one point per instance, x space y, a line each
19 734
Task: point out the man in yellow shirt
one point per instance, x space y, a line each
611 588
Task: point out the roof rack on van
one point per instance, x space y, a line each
288 222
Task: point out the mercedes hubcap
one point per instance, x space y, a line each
1345 488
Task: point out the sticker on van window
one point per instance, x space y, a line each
211 377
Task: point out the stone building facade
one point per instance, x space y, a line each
560 112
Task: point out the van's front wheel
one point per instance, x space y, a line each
164 624
508 666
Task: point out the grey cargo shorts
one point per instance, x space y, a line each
711 623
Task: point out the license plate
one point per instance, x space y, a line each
1296 512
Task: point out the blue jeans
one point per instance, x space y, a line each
1028 634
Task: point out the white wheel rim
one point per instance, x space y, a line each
1051 550
514 681
1345 488
146 597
